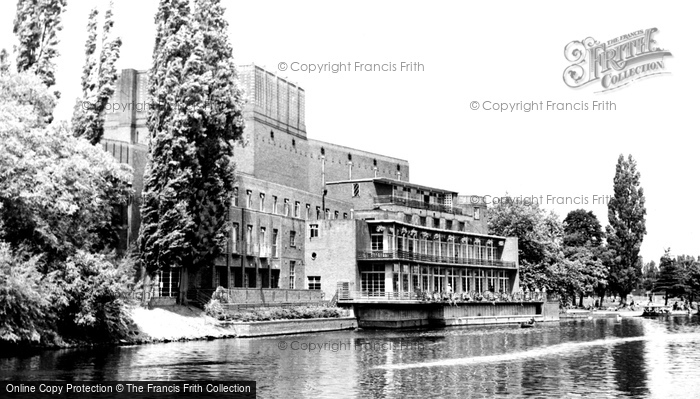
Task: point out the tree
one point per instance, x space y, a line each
4 61
98 79
539 240
37 23
57 195
583 240
57 192
649 275
582 228
627 227
670 280
195 117
688 270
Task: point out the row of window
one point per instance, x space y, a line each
476 249
407 278
262 248
286 207
428 221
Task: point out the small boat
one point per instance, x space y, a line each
528 324
663 310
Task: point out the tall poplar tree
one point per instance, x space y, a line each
627 227
37 23
98 79
194 118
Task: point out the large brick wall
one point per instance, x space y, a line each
336 256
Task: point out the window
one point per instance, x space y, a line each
308 211
286 207
275 243
422 220
293 239
356 190
272 135
462 226
234 238
262 202
249 238
262 240
377 241
448 224
318 212
274 204
297 209
314 282
249 199
313 230
372 279
345 215
328 213
235 196
408 218
336 214
477 213
292 266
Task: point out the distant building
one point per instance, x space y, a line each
308 214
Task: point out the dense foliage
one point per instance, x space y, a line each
58 195
194 119
215 309
98 80
539 240
37 23
678 277
626 228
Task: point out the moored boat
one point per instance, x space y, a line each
663 310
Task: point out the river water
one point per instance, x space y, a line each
634 357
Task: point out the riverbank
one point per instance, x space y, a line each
175 323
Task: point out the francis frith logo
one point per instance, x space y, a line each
615 63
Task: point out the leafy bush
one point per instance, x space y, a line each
221 295
290 313
23 299
214 309
92 296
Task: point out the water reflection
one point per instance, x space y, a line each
634 357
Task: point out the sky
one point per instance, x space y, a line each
483 52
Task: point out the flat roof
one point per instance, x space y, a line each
394 182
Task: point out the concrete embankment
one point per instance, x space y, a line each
180 323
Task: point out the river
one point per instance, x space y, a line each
633 357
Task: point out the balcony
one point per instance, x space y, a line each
415 202
418 257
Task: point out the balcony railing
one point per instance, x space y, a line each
450 297
418 257
415 203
